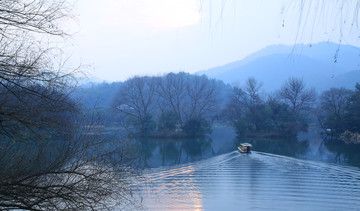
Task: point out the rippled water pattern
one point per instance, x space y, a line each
257 181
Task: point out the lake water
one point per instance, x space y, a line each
257 181
209 174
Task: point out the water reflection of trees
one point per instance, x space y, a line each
344 153
164 152
142 151
285 146
167 152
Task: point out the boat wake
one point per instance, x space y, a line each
260 180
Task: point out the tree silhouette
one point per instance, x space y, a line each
52 156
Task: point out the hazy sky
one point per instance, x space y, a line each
122 38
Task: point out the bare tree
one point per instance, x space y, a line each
202 95
252 89
188 96
136 100
51 157
244 100
72 171
27 61
335 100
331 112
172 92
173 99
237 106
294 93
37 16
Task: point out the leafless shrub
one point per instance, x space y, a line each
51 157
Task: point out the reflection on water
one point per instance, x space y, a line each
154 153
167 152
235 181
309 146
345 154
281 174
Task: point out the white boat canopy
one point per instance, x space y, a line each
246 145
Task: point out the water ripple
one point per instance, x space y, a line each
257 181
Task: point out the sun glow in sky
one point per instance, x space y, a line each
122 38
154 14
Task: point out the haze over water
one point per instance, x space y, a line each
257 181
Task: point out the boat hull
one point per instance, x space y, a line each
244 150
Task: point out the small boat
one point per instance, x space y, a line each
245 148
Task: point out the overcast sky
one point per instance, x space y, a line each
122 38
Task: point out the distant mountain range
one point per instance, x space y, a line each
323 65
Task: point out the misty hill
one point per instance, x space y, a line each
321 65
98 95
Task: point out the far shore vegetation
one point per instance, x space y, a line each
182 105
